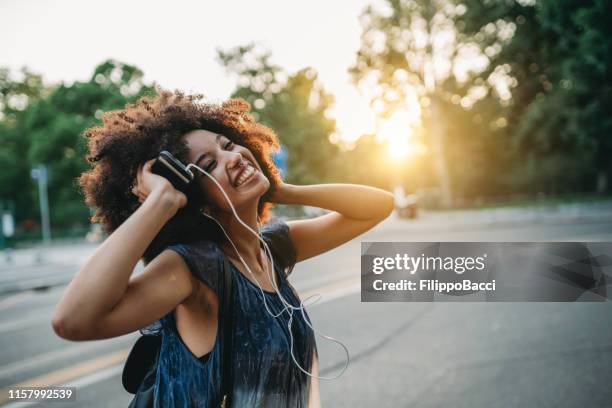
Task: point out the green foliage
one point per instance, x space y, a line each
399 51
410 53
293 105
548 132
48 130
551 132
17 93
559 114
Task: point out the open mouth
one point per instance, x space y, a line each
245 176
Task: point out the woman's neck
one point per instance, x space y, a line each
247 244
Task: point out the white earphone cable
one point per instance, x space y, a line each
287 305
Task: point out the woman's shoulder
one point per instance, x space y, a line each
200 249
275 225
276 234
203 258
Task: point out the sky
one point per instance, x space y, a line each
174 43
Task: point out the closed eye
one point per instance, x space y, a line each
213 163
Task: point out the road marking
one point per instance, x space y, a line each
101 368
23 323
16 367
335 290
36 283
71 373
41 271
97 377
15 299
316 283
80 383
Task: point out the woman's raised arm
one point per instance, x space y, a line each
102 282
356 209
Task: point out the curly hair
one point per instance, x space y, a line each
129 137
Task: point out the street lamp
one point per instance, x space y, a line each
41 174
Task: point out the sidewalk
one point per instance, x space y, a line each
71 254
498 217
41 267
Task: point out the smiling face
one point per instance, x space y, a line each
232 165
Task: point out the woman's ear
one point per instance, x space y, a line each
205 209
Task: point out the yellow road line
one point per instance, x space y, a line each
70 373
15 299
64 375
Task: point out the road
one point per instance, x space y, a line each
402 354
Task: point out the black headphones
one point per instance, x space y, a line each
169 167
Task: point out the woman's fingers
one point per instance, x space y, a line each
137 184
182 200
140 173
148 164
141 197
146 182
144 173
137 189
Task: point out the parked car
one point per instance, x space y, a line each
405 205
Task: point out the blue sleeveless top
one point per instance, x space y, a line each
264 372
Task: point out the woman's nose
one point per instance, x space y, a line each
235 159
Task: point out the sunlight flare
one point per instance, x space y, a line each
397 131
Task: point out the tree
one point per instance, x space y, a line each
17 93
48 131
558 60
57 122
411 48
293 105
585 81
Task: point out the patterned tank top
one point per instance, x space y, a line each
264 372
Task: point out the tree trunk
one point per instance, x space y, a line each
437 129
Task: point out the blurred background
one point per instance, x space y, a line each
488 120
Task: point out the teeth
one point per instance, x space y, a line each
245 175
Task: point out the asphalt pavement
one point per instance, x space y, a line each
402 354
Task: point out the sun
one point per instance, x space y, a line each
398 148
397 131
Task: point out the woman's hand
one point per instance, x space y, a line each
282 193
94 308
148 183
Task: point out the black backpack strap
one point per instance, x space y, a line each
227 382
141 360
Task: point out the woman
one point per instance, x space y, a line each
183 249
